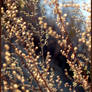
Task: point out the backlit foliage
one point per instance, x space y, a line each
22 69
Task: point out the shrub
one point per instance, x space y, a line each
39 55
